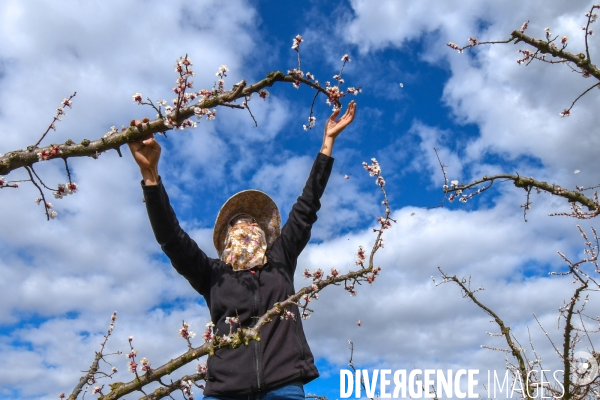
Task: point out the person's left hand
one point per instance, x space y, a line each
333 128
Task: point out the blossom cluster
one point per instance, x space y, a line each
145 364
350 288
60 112
51 213
185 331
334 92
208 333
311 123
4 183
186 389
296 43
592 17
65 189
183 67
132 365
360 257
458 193
113 318
313 293
374 170
287 314
44 155
454 46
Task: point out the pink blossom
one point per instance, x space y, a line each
226 339
185 333
360 256
565 113
524 27
311 123
222 70
208 335
43 155
263 94
61 191
346 58
296 73
358 323
455 47
145 364
132 367
318 274
137 98
288 315
296 42
72 188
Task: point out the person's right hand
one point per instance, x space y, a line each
146 153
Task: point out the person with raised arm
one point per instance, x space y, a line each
255 270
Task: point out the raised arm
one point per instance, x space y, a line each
184 253
295 234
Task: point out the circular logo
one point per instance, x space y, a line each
585 368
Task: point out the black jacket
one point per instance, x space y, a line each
282 355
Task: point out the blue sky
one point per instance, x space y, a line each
61 280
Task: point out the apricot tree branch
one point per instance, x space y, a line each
525 183
13 160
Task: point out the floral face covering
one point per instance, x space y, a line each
245 247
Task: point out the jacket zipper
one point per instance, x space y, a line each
256 344
298 339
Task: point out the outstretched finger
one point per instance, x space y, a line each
336 112
350 112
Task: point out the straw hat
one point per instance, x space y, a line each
255 203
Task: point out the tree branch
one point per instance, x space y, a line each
13 160
525 183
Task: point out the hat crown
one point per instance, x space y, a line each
252 202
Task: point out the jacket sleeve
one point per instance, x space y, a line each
184 253
295 234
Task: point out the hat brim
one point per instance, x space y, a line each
255 203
